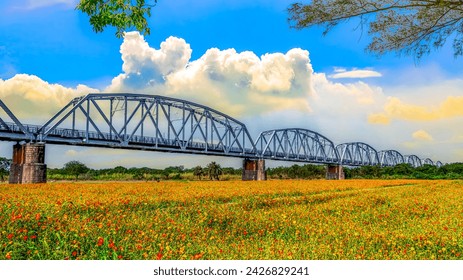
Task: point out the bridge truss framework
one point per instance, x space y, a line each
165 124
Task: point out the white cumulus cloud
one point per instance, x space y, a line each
238 83
342 73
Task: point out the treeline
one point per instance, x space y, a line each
307 171
406 171
76 170
400 171
213 171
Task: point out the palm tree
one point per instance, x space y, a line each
198 171
214 170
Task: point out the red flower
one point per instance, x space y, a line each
25 238
74 253
111 245
159 256
100 241
10 236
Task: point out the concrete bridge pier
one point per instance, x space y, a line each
334 172
28 166
254 170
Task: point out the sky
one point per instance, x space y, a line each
239 57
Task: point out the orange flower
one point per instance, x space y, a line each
198 256
8 256
74 253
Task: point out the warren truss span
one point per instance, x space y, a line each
165 124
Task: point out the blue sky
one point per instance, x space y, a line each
49 53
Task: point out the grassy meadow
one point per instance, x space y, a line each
276 219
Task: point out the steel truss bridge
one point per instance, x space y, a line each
165 124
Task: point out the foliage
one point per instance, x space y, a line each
214 170
121 14
198 172
448 171
307 171
4 167
307 220
75 168
407 26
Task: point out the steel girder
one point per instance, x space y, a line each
357 154
296 144
147 122
14 129
390 157
413 160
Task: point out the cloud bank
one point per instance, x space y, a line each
237 83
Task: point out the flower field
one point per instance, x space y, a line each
350 219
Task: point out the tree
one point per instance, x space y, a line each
214 170
121 14
5 165
198 171
75 168
402 26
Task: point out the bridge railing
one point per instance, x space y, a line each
99 138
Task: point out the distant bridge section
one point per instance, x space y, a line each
296 144
413 160
390 157
357 154
165 124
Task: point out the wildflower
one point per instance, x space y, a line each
10 236
100 241
111 245
197 256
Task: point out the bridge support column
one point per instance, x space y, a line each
28 164
254 170
335 172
